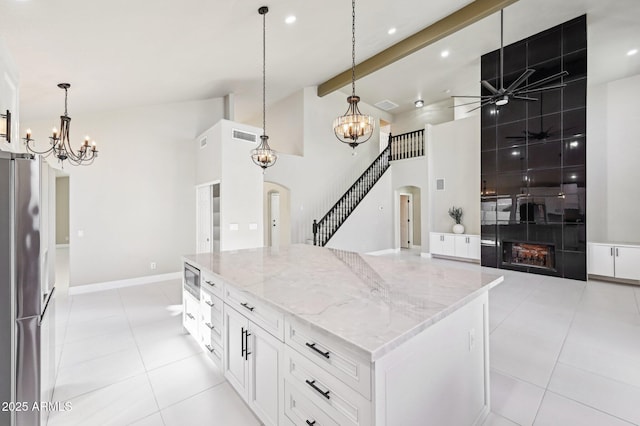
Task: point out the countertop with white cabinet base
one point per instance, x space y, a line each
372 303
317 336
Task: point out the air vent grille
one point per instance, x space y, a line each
244 136
386 105
440 184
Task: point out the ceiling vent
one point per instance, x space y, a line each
203 142
244 136
386 105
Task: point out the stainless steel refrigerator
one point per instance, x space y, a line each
27 290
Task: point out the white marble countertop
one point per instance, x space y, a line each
372 303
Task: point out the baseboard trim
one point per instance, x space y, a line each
381 252
425 255
129 282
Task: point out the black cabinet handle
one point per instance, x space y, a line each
210 348
313 346
210 326
211 283
190 316
246 305
246 345
311 423
312 383
243 348
211 304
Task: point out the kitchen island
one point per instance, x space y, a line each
317 336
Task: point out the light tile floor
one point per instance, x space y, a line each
563 353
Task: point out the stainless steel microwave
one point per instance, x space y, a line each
192 280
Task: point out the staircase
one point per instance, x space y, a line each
407 145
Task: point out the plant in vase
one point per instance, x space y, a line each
456 214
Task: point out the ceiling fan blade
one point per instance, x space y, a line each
525 75
468 103
490 87
545 80
524 90
485 103
461 96
523 98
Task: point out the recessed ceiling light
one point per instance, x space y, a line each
632 52
391 31
290 19
444 53
419 103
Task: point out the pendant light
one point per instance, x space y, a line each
263 155
353 128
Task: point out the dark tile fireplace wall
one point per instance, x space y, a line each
533 181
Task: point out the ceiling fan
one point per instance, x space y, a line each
515 91
542 135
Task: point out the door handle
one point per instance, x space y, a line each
246 345
617 252
242 347
611 251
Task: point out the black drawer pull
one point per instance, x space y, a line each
210 349
246 305
211 283
211 304
311 423
210 326
190 316
312 383
313 346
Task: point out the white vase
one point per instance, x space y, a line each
458 228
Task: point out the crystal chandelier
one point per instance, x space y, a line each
263 155
353 128
60 145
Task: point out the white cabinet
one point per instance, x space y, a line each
615 260
252 364
465 246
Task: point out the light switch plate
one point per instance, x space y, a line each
253 226
233 227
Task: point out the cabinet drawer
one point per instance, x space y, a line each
211 283
338 360
211 332
339 401
210 308
190 313
214 351
301 411
262 315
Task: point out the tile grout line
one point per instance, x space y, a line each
564 341
511 311
588 406
146 372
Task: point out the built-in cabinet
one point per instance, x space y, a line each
615 260
464 246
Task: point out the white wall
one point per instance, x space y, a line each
285 124
328 168
415 119
622 155
136 203
370 226
454 154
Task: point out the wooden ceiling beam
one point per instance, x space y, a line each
448 25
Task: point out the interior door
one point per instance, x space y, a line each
405 221
274 219
204 236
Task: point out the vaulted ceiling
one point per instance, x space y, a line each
120 54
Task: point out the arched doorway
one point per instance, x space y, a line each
277 215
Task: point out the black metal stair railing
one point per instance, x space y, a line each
326 227
407 145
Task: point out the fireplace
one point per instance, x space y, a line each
528 254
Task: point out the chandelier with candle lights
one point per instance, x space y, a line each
60 144
353 128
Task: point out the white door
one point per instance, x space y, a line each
627 263
235 342
274 219
406 225
264 360
204 236
601 260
